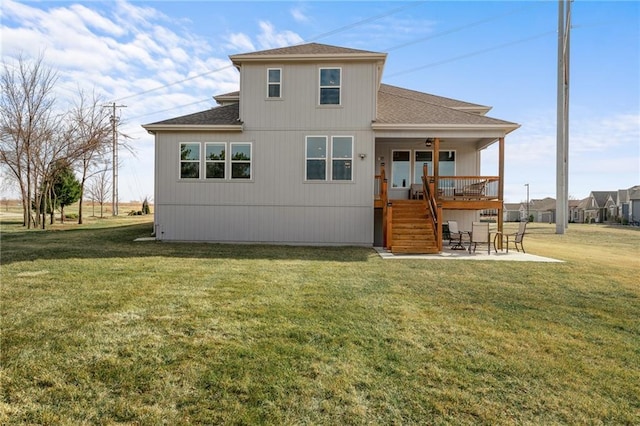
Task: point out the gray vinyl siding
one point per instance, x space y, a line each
277 205
298 108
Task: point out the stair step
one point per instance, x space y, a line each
414 249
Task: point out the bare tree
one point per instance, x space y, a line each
91 135
26 121
99 187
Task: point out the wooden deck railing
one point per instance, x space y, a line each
467 187
431 205
436 191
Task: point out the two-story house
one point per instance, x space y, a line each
314 149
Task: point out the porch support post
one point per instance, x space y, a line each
436 184
501 187
436 160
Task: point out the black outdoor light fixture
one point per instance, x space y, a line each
428 142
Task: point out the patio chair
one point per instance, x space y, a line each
415 191
515 238
455 236
479 235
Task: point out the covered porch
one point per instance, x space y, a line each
415 209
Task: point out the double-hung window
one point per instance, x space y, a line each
215 160
218 163
240 160
330 86
316 153
190 160
342 157
274 83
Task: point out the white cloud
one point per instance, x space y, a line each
240 42
97 21
298 14
269 38
118 50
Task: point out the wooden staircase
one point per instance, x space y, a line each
412 229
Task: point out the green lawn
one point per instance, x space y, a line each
98 329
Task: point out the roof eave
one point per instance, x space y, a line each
506 128
334 57
152 128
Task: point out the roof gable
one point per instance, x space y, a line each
306 49
309 52
601 197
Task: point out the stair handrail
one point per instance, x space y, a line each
385 207
430 201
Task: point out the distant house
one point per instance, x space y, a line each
575 212
629 205
543 210
601 207
515 212
315 149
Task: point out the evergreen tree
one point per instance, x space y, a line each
66 188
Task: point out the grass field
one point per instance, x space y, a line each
98 329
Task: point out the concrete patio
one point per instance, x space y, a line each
480 254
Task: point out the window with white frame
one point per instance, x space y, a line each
274 83
190 160
422 158
342 157
316 158
240 160
215 161
447 163
400 169
330 86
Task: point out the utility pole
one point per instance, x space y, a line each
562 145
114 133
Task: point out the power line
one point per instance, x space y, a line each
468 55
460 28
323 35
365 21
174 83
169 109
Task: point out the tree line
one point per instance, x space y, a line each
53 156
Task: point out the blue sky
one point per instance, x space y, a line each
502 54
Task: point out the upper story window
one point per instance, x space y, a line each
330 86
190 160
274 83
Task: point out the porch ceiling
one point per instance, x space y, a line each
477 142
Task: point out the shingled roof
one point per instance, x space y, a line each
431 99
394 108
220 116
307 49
